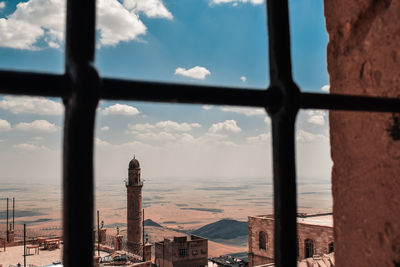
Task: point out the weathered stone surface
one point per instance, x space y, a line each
182 252
364 59
321 236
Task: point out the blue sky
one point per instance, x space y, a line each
219 42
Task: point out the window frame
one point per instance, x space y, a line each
81 88
262 240
309 248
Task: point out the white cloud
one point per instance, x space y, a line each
116 23
306 137
101 143
254 2
30 147
2 5
226 126
31 105
105 128
243 78
164 131
197 72
207 107
37 126
245 111
151 8
177 126
326 88
120 109
164 126
316 117
262 138
267 120
161 136
31 21
4 125
36 20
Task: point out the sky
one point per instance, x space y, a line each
209 42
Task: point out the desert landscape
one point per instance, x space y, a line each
172 207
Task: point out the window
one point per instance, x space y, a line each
182 252
262 240
308 248
331 248
81 88
194 252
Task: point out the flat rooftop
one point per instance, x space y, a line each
322 219
14 255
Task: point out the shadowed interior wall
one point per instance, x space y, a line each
364 59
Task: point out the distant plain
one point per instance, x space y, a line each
179 205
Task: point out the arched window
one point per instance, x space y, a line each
262 240
331 248
308 248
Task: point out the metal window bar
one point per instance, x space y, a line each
81 88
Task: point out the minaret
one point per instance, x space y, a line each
134 187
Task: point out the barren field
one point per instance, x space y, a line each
176 204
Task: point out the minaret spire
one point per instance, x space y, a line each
135 215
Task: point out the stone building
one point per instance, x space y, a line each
135 216
182 252
315 237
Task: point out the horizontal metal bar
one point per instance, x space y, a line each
34 84
114 89
349 102
56 85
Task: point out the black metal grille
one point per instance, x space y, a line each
81 88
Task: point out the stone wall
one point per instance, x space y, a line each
322 236
364 59
259 256
168 252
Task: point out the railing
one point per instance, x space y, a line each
34 233
132 248
136 250
110 241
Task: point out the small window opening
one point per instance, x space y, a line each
298 247
309 248
331 248
182 252
263 240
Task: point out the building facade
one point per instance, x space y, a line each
135 215
315 237
182 252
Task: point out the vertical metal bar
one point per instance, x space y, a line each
285 210
24 245
283 133
98 233
13 213
279 40
7 223
143 242
80 109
